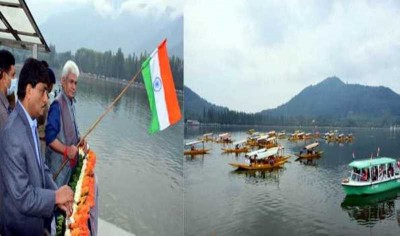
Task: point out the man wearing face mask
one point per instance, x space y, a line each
7 73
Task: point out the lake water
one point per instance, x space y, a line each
140 175
301 199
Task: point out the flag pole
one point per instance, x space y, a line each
98 120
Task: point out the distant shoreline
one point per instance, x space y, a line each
117 81
110 79
288 126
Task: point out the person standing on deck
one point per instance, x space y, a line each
62 134
29 193
7 73
42 119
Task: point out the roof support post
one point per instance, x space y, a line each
35 51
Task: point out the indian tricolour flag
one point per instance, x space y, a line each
160 88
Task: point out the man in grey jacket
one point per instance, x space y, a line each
7 73
29 193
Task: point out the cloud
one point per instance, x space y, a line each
43 9
154 8
256 55
104 7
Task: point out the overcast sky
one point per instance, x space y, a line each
43 9
255 55
102 25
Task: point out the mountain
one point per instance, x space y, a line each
330 102
334 99
84 27
197 108
196 105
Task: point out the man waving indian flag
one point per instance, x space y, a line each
160 89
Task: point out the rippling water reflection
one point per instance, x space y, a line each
140 175
301 198
369 210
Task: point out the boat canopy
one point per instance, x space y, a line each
299 134
371 162
271 139
223 135
194 143
254 136
313 145
269 152
239 142
207 134
341 135
262 137
308 134
256 152
271 132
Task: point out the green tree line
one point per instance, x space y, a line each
108 64
224 116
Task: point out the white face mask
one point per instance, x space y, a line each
13 86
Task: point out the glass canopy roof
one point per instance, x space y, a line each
18 29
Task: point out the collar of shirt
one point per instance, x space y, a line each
32 123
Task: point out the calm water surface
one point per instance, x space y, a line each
301 199
140 175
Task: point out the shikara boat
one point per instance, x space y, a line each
372 176
281 135
341 138
271 133
224 138
263 160
265 141
207 137
349 137
252 139
331 137
194 150
238 147
308 136
309 152
268 143
255 152
297 135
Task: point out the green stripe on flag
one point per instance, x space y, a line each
154 125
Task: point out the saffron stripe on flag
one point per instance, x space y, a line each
168 83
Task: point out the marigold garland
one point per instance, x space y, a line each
83 183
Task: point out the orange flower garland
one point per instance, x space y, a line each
84 199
